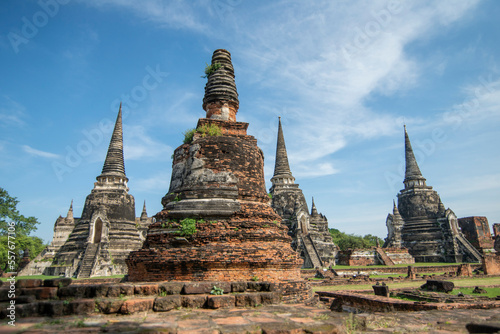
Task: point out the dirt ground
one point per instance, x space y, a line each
279 319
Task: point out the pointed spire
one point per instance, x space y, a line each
281 167
395 210
314 211
114 164
70 211
221 97
144 214
412 171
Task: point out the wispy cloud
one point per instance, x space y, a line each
159 181
139 145
12 113
177 14
321 60
38 153
332 60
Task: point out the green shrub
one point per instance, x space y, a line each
217 291
210 69
209 130
188 136
188 227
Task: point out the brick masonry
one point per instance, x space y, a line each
58 297
218 186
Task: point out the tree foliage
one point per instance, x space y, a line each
345 241
9 213
20 234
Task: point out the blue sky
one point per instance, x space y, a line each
343 75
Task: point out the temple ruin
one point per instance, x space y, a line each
97 243
217 223
309 231
422 224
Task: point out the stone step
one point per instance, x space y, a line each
37 299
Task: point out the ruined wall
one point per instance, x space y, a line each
369 257
491 264
477 231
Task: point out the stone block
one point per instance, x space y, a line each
137 305
171 288
224 301
483 327
77 291
464 269
117 290
79 306
51 308
193 301
101 290
26 310
28 283
4 293
146 289
381 290
238 287
438 286
204 287
57 282
248 299
167 303
109 305
41 293
269 298
491 263
25 299
254 286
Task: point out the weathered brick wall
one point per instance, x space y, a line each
367 257
358 257
250 242
477 231
491 264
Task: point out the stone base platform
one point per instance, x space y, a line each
59 297
370 303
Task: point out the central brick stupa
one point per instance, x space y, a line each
217 223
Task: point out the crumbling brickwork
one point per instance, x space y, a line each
217 223
477 231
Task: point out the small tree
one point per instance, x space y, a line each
20 233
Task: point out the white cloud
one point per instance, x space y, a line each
177 14
320 59
328 58
139 145
39 153
12 113
152 184
481 101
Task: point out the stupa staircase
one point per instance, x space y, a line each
312 252
464 243
383 257
88 261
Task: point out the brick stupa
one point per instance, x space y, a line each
218 182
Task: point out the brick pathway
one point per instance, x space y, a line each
280 319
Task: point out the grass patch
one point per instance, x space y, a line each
491 292
4 279
100 277
418 264
466 282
